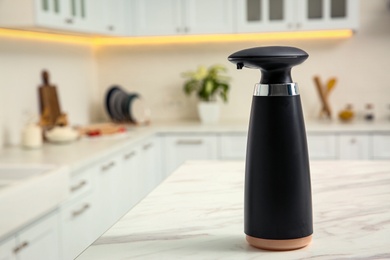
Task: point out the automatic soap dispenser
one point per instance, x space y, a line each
278 207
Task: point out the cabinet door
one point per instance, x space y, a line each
354 147
180 148
108 192
79 227
328 14
7 249
39 241
53 13
381 146
265 15
113 17
151 164
131 189
208 16
156 17
322 146
233 146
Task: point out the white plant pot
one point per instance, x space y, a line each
208 112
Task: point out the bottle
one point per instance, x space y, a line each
278 206
369 112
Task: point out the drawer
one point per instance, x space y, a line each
354 147
380 146
81 183
322 146
233 146
78 226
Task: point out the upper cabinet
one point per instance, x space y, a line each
327 14
295 15
178 17
172 17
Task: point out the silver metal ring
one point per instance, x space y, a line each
286 89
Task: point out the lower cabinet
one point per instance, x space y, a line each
38 241
179 148
322 146
354 147
381 146
232 146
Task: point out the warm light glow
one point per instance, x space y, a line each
153 40
179 39
42 36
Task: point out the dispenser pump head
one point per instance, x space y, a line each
275 62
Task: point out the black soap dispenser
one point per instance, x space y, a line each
278 207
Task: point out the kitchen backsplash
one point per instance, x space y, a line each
83 74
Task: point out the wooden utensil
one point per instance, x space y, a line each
323 97
49 104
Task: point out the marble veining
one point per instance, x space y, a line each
197 213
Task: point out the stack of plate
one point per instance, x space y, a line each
126 107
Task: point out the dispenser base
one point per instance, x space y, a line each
279 245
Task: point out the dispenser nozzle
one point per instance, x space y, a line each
275 62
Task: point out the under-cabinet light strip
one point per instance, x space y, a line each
156 40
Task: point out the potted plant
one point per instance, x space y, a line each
208 84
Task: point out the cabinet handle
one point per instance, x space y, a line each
78 186
353 141
80 211
69 20
189 142
299 25
178 29
108 166
20 247
147 146
111 28
186 29
130 155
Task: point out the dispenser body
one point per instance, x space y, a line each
277 177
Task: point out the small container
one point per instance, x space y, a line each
32 136
369 112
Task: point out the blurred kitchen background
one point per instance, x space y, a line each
84 72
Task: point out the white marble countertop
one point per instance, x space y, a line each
197 213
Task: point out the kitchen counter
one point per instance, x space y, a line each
197 213
81 153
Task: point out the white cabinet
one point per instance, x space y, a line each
233 146
64 15
354 147
286 15
150 168
171 17
182 147
38 241
327 14
381 146
79 227
208 16
265 15
7 249
322 146
108 194
113 17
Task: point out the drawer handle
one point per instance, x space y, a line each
111 28
80 211
78 186
129 155
108 166
189 142
20 247
147 146
353 141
